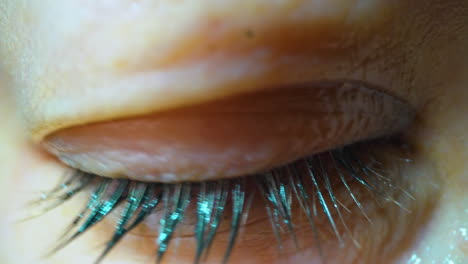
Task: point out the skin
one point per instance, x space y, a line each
59 75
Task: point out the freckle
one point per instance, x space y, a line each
249 33
120 64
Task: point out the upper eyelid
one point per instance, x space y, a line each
78 95
234 136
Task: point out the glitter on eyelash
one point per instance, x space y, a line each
304 201
345 183
238 201
335 202
99 207
173 216
137 197
205 207
279 188
222 192
278 194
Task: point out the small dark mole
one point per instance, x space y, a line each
249 33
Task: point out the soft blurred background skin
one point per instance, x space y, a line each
435 232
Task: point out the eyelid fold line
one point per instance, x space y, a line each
96 68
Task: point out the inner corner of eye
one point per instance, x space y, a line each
231 137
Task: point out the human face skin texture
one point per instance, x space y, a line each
69 63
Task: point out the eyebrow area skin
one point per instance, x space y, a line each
58 78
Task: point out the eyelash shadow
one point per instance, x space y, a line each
278 187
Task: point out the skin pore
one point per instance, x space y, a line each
68 63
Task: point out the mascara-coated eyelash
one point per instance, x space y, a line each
308 182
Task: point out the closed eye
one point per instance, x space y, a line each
234 131
315 192
232 136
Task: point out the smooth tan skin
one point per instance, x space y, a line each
61 67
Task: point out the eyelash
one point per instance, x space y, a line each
355 163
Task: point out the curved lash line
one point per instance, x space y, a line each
278 187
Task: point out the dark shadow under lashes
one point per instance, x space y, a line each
278 187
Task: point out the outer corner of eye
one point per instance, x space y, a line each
232 136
